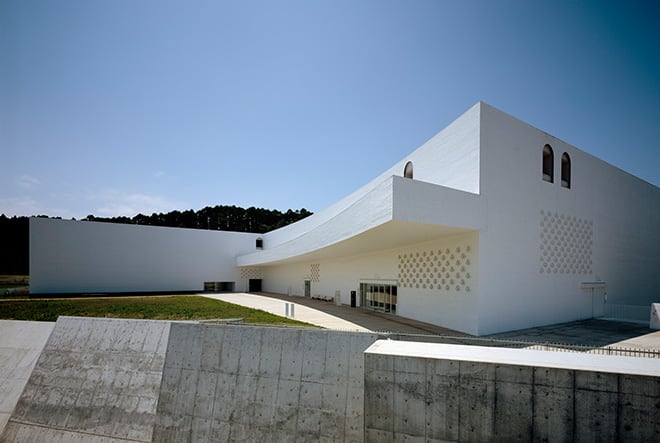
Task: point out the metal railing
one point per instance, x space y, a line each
480 341
518 344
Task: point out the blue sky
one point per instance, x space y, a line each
119 107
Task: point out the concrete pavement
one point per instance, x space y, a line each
590 332
278 307
593 332
330 316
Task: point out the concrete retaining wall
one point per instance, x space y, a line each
111 380
96 380
21 343
239 383
436 392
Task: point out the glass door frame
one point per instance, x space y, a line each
379 296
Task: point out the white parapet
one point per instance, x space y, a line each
655 316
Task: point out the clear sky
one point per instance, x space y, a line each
118 107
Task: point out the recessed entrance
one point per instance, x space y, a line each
254 285
597 289
308 288
378 296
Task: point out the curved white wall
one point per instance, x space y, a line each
450 158
371 210
479 180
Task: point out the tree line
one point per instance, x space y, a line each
15 236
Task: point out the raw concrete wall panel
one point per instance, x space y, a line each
109 380
486 394
236 383
553 411
95 380
442 393
21 343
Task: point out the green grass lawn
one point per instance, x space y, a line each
149 307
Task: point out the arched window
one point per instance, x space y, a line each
565 171
260 243
548 167
408 170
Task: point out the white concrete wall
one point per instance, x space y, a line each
621 212
439 392
76 256
437 295
343 274
535 242
371 210
450 158
446 290
422 202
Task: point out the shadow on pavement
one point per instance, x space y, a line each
593 333
372 320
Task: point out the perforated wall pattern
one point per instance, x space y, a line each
254 273
443 270
565 244
315 272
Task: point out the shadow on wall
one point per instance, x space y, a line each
149 380
145 380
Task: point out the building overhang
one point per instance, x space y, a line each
394 213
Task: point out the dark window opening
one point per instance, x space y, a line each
260 243
218 286
565 171
408 170
254 285
548 167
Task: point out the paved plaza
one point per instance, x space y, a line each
591 332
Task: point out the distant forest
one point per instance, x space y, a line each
15 236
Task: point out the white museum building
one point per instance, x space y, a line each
491 225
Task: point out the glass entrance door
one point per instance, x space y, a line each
379 297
